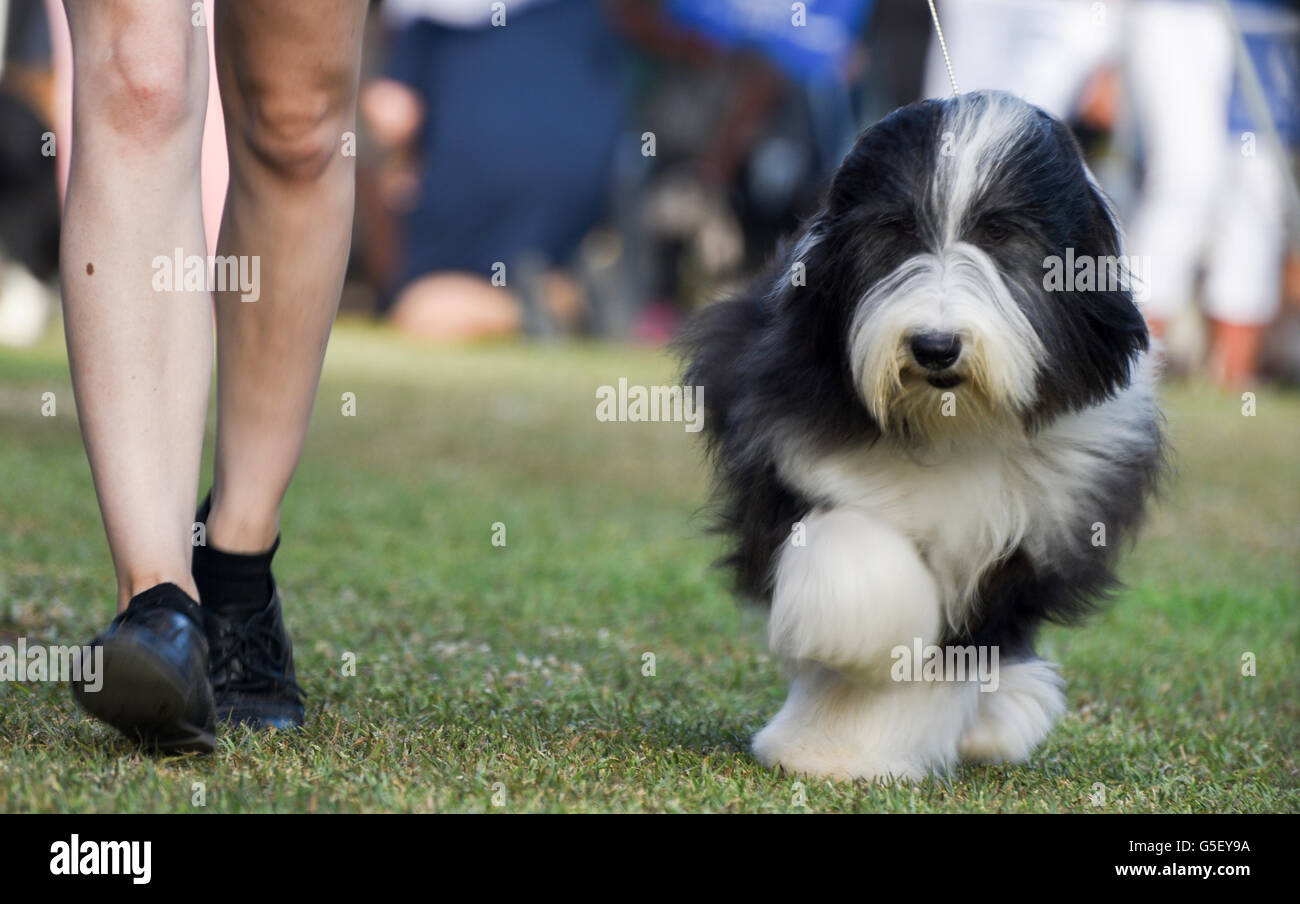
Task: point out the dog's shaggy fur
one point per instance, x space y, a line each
915 439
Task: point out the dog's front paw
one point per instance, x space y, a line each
833 727
797 753
1014 719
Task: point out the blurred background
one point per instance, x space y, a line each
603 167
540 204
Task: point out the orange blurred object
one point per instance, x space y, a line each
1234 352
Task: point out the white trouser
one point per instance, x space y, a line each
1243 282
1041 50
1179 65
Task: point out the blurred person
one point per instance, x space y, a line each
1061 55
500 127
787 118
1178 71
141 355
751 107
1045 51
1212 196
1206 203
1247 257
29 207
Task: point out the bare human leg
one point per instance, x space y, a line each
288 74
140 358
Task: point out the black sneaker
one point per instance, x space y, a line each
251 669
252 674
154 676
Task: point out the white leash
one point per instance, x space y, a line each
943 45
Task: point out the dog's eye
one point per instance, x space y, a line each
993 230
902 225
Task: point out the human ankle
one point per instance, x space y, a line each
242 533
137 582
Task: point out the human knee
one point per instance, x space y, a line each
295 131
148 83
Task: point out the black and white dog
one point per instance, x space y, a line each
917 444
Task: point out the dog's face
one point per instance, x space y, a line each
928 263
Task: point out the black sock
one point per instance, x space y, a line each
231 582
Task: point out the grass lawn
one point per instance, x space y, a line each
510 678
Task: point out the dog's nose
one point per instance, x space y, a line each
936 350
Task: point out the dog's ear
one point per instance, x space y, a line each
718 344
797 266
1110 331
811 286
1102 231
1106 239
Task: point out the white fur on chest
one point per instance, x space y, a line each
972 504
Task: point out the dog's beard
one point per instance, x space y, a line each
960 291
